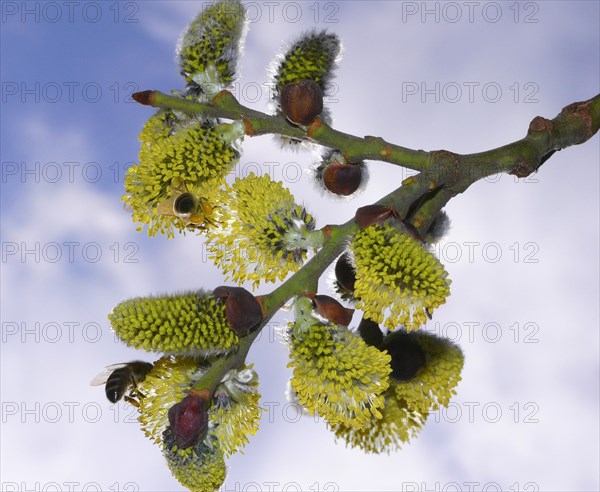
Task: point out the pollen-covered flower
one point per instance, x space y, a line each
398 282
192 323
200 468
209 48
235 412
263 233
336 374
182 165
425 372
167 384
311 57
398 425
435 381
231 415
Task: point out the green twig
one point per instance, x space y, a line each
443 175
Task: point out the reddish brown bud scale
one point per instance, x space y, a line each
332 310
302 102
326 230
261 303
342 179
249 129
540 124
202 393
373 214
242 309
188 420
144 97
308 293
314 127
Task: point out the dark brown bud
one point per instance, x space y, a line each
188 420
407 355
345 274
332 310
302 102
242 309
373 214
370 332
342 179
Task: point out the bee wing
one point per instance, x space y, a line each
166 207
101 378
178 186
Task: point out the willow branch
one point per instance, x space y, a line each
225 105
443 175
447 175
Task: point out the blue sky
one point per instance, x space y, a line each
523 255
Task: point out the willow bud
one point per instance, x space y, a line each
345 275
342 179
332 310
370 332
339 176
407 355
242 310
373 214
189 421
302 102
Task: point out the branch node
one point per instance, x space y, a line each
386 152
326 230
582 111
433 185
202 393
309 294
221 98
261 303
444 160
314 126
540 124
523 169
249 129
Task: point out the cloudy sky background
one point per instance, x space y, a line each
523 255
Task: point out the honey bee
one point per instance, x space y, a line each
189 208
122 379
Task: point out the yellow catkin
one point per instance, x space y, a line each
398 282
337 375
192 323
